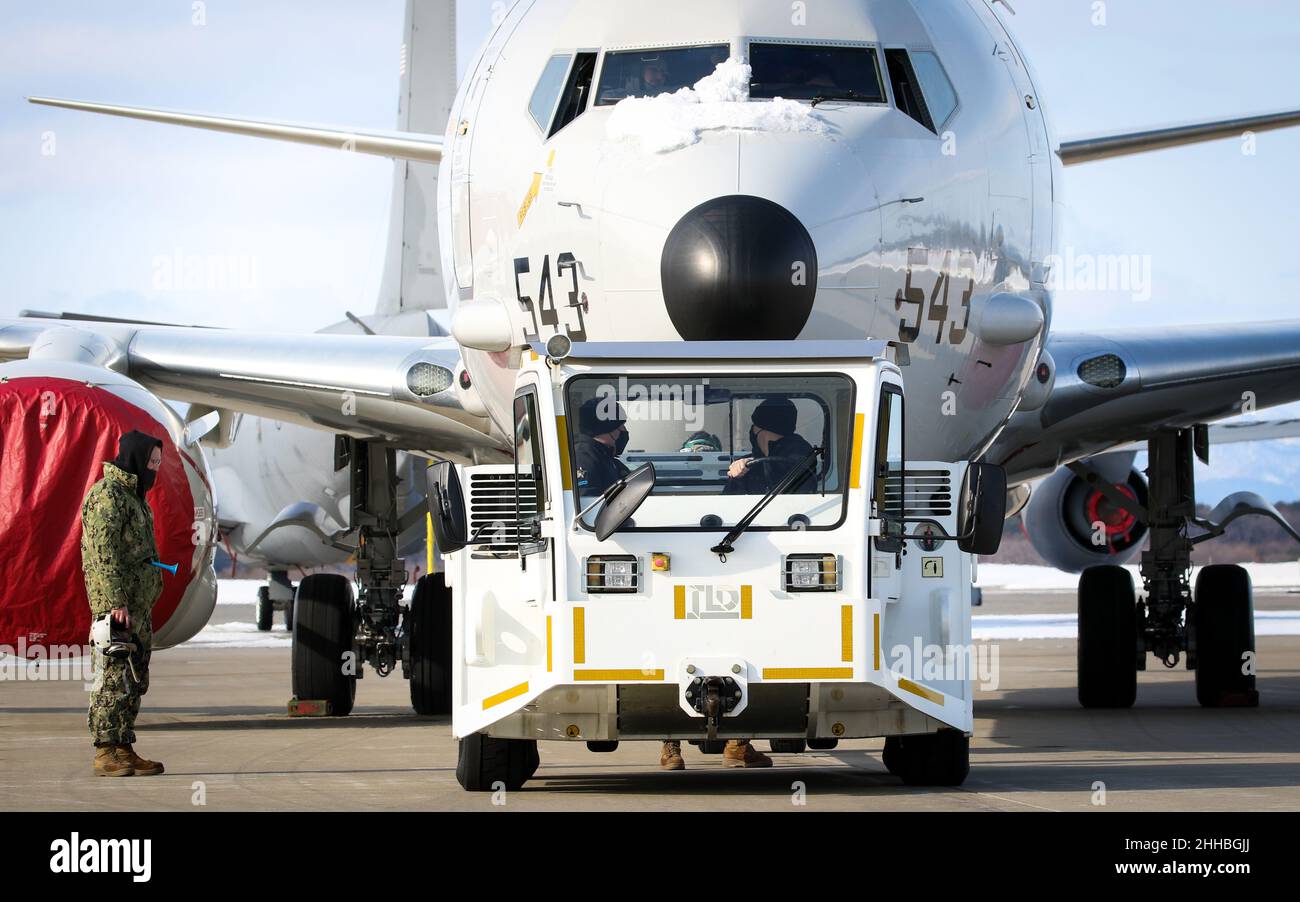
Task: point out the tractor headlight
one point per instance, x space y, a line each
811 573
613 573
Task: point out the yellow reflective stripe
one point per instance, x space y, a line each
529 198
746 602
513 692
916 689
428 543
877 631
617 676
549 656
679 602
807 673
579 636
562 431
846 633
855 465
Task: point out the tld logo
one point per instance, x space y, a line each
717 602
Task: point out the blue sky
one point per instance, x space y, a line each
302 230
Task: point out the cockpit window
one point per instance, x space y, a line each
577 91
812 72
648 73
940 97
562 91
907 89
542 105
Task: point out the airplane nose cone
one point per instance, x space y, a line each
737 268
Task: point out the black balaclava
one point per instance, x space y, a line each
777 415
133 451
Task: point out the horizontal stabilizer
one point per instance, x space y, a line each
1086 150
399 145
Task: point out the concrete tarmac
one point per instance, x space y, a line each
215 716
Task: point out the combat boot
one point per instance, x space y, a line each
142 767
671 757
107 764
741 753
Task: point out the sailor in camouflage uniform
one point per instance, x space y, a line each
117 545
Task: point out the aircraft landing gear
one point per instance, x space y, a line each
276 595
1213 626
335 634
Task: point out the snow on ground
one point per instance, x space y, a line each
241 635
1066 626
717 102
238 591
1027 578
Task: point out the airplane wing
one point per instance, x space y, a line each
399 145
1112 390
1254 431
1086 150
400 390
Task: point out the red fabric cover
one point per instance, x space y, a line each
55 435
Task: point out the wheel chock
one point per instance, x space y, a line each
305 707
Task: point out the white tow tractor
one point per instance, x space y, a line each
793 603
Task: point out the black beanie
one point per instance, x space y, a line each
133 452
593 416
776 415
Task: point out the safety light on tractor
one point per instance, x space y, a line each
613 573
811 573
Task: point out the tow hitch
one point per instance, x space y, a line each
714 697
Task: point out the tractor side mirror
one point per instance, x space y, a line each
447 507
983 509
624 500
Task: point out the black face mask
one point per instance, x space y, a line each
133 452
621 442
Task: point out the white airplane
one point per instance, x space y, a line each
677 171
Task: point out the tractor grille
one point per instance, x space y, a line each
919 493
492 505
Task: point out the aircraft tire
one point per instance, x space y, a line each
429 625
265 609
788 746
322 635
1108 637
1225 636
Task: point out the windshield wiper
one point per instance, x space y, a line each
846 94
727 545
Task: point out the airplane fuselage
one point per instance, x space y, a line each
594 230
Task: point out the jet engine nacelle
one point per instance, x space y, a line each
1073 526
60 419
